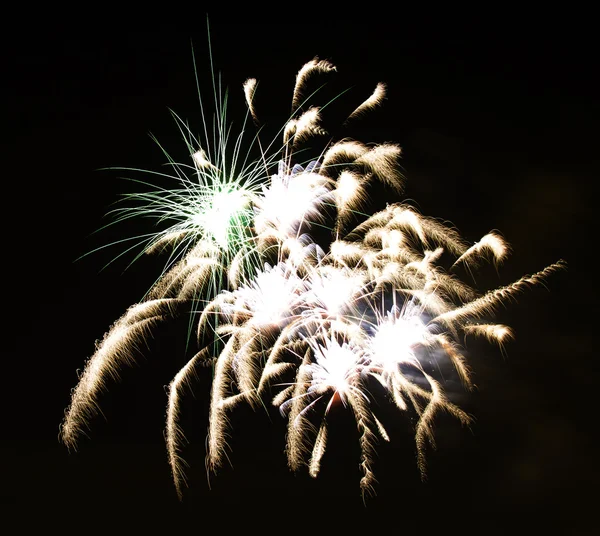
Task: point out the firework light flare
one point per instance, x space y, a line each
310 325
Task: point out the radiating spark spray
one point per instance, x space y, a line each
284 317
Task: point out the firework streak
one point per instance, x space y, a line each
308 325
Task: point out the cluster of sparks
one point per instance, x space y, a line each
286 319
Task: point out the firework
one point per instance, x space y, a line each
308 324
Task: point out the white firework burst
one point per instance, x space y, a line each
286 317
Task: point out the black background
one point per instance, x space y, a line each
497 117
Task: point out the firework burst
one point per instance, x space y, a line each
306 324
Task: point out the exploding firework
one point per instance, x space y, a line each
297 297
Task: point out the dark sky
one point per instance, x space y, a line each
498 121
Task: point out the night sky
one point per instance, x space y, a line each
498 121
